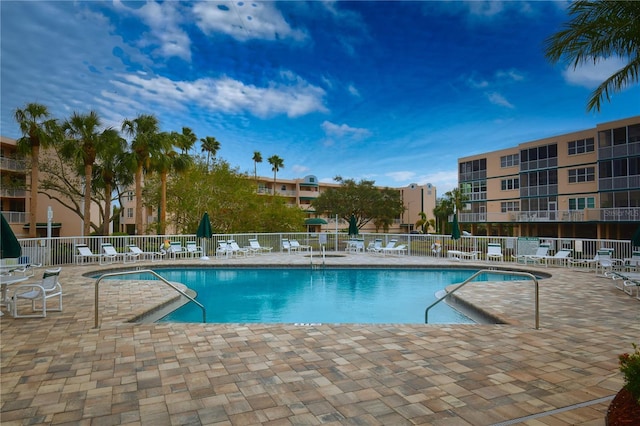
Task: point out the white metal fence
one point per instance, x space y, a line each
61 251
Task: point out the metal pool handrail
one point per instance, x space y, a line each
114 274
491 271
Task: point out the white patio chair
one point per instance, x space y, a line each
150 255
494 252
85 254
41 291
193 249
254 245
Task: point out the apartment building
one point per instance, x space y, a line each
15 174
301 192
584 184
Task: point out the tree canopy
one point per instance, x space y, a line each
361 199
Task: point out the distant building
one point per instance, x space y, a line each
584 184
15 196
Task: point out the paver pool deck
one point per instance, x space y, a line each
62 370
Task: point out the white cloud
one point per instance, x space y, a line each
300 169
352 90
226 95
343 130
497 99
590 75
164 20
477 84
245 20
512 74
401 176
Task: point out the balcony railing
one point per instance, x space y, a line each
13 164
619 214
15 193
16 217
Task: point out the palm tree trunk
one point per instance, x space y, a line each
274 183
87 199
138 230
33 207
107 208
163 202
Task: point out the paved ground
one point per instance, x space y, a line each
61 370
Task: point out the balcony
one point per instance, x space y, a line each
12 164
16 217
620 214
13 193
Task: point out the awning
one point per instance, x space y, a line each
315 221
41 225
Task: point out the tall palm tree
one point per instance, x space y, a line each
187 140
81 145
277 163
257 158
112 168
164 160
211 146
144 131
599 30
38 130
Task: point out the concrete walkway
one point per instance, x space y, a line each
61 370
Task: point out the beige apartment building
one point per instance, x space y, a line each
15 173
584 184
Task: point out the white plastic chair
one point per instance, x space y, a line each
47 288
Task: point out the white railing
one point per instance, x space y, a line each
61 250
618 214
16 217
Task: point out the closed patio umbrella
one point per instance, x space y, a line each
9 245
353 226
635 240
455 232
204 231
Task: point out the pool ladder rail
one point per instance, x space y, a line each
491 271
318 266
141 271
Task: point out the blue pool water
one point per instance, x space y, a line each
270 295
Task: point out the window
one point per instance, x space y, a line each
130 212
509 160
587 174
509 206
283 188
130 196
507 184
582 203
581 146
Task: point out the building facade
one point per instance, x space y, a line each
584 184
15 197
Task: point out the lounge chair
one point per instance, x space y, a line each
45 289
633 263
541 252
300 247
391 244
86 255
606 262
149 255
176 249
561 258
194 250
460 255
286 245
110 255
375 246
236 250
223 249
18 265
254 245
400 249
627 281
494 252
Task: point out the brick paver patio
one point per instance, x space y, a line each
61 370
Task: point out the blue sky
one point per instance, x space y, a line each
394 92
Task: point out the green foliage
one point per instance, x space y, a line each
630 368
363 200
599 30
230 199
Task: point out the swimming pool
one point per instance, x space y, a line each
278 295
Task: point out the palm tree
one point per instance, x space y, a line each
164 160
277 163
81 145
599 30
112 168
211 146
37 131
257 158
144 131
187 140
